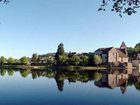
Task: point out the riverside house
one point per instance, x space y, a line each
113 55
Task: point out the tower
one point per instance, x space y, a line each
123 47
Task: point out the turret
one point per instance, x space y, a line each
123 47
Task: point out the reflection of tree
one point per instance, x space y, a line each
137 85
97 76
24 73
50 74
3 72
38 73
84 77
10 72
34 75
60 81
130 82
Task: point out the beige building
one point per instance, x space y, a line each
113 55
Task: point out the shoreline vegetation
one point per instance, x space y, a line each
67 61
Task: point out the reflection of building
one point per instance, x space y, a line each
136 63
113 80
112 54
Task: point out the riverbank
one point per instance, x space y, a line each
66 68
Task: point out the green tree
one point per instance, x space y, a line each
39 58
137 45
97 59
24 60
34 57
60 52
50 58
74 60
63 59
84 60
3 60
10 60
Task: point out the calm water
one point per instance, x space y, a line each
68 88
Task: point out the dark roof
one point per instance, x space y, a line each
104 50
123 45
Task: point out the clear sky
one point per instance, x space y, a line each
38 26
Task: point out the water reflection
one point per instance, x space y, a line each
105 79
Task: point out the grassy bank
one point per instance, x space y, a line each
22 67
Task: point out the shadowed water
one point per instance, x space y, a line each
42 87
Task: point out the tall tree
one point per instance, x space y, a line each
34 57
60 52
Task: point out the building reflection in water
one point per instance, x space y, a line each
113 80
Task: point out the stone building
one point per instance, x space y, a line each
113 55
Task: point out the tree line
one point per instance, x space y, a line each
23 60
72 58
62 58
134 51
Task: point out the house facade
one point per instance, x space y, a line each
113 55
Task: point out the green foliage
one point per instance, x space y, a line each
84 77
97 59
59 54
10 60
24 60
63 59
34 75
3 60
11 72
137 86
137 46
39 58
3 72
74 60
132 52
34 57
50 58
60 50
97 76
121 6
84 60
24 73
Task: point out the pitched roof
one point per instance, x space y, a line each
123 45
104 50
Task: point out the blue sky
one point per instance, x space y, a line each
29 26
